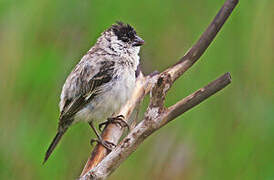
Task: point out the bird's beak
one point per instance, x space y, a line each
138 41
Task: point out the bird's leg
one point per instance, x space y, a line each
116 120
108 145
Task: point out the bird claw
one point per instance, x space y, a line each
108 145
116 120
102 124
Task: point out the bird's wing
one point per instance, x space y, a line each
88 81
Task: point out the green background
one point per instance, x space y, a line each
229 136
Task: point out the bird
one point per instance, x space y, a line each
101 83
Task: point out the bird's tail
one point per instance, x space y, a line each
54 143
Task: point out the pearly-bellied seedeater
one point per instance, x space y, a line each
101 82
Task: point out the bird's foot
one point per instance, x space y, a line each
116 120
108 145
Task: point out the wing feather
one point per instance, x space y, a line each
88 90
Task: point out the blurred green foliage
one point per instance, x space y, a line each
229 136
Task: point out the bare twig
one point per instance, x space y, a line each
197 97
101 164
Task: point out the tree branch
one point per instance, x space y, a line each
197 97
204 41
112 132
151 123
102 163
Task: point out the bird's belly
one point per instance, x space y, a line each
117 92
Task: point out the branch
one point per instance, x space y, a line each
197 97
112 132
102 163
204 41
152 122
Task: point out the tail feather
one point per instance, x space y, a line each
53 144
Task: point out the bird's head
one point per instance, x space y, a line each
121 38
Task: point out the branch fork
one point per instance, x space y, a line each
102 163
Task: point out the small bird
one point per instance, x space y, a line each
101 82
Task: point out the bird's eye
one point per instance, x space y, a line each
131 34
124 38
